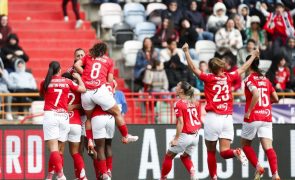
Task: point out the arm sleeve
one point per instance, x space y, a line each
249 84
204 77
177 110
73 86
234 75
111 68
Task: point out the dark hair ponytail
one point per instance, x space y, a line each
255 66
188 90
53 69
98 50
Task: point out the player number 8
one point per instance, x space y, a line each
95 70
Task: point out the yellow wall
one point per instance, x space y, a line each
4 7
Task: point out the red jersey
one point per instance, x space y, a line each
262 110
75 115
218 93
189 112
282 77
96 71
56 97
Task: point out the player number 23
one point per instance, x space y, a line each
219 88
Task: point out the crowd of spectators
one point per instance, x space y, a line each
13 74
236 27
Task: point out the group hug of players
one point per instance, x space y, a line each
89 90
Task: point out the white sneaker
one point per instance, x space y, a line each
9 117
239 153
20 118
66 18
63 177
105 177
79 23
129 138
49 176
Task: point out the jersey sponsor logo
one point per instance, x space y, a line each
258 77
265 112
261 83
223 106
93 82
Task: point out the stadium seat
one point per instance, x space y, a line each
154 6
144 29
134 13
122 33
130 49
205 49
264 65
110 13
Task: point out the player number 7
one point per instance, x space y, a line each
59 91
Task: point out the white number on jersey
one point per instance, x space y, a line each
72 98
59 91
95 70
193 113
220 88
263 99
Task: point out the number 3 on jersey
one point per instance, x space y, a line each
95 70
220 88
192 115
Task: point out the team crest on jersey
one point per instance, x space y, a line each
71 114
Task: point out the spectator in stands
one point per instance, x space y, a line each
12 51
144 57
5 30
164 32
197 22
243 11
199 83
4 89
218 18
177 71
75 7
256 33
156 78
187 34
232 5
288 52
239 25
228 39
279 24
279 74
231 66
171 50
21 81
173 13
245 51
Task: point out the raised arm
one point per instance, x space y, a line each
247 64
189 60
81 88
78 66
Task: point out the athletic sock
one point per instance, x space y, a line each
251 155
96 167
227 154
123 130
167 165
56 161
79 165
212 164
187 162
109 161
272 159
102 166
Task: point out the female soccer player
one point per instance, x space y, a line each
187 127
98 70
258 119
218 124
55 90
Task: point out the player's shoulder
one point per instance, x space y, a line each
180 103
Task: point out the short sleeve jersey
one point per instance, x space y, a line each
56 96
262 110
218 93
189 112
96 71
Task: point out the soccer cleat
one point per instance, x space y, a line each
105 176
241 156
276 177
90 147
61 177
214 178
193 177
109 172
129 138
259 172
49 176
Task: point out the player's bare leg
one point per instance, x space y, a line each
89 134
100 149
74 148
109 156
121 125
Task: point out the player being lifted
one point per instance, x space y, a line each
218 123
98 70
258 119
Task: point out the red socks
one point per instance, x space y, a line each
89 134
227 154
109 161
212 164
56 161
123 130
167 165
78 164
187 162
102 166
251 155
96 168
272 159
